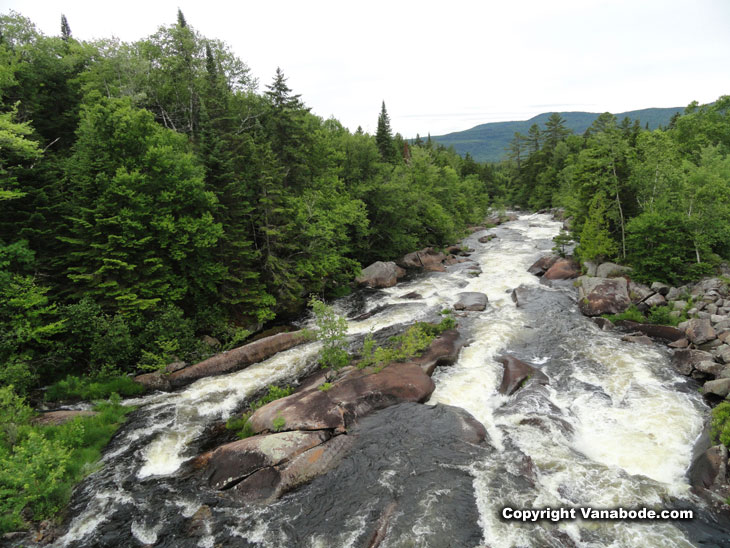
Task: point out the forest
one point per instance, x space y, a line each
153 194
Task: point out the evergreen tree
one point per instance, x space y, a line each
596 243
65 28
384 137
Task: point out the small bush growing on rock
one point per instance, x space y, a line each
562 241
721 423
661 315
279 423
325 386
241 423
631 313
332 333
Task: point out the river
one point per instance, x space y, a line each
615 427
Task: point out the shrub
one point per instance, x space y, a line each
325 386
721 423
241 424
92 388
332 333
631 313
660 315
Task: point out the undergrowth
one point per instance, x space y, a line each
241 425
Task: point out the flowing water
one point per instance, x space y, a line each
615 427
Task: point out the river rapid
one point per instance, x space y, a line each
615 427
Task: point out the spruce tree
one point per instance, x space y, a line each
65 28
383 136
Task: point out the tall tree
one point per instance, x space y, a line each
65 28
384 136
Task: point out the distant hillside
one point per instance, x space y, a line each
488 142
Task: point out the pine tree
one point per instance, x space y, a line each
383 136
65 28
181 19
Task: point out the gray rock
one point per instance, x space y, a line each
599 296
723 353
685 360
675 314
655 300
679 305
716 318
710 345
683 326
700 331
718 387
724 324
680 343
673 294
590 267
711 308
638 292
710 367
611 270
703 315
692 312
660 288
471 300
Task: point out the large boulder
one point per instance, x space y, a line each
471 300
347 400
232 462
542 265
425 258
603 296
232 360
55 418
700 331
685 360
718 387
709 471
516 373
380 274
611 270
663 332
563 269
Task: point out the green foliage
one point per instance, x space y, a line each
92 388
660 315
631 313
721 424
325 386
562 241
332 333
241 425
39 465
596 243
279 423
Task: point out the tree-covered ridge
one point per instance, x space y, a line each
151 194
658 200
489 142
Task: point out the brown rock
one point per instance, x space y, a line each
444 350
156 380
347 400
236 359
599 296
685 361
487 238
563 269
679 343
516 372
719 387
664 332
380 274
424 258
542 265
54 418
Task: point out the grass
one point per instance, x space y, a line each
92 388
40 465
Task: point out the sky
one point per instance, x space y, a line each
445 66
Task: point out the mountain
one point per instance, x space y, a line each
488 142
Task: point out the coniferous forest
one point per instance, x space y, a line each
154 193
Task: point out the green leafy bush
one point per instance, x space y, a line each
332 333
631 313
660 315
241 425
721 423
92 388
325 386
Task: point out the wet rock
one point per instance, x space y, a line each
563 269
54 418
232 360
346 401
424 258
380 274
435 268
520 295
663 332
487 238
443 350
718 387
700 331
684 361
455 260
196 527
230 463
516 373
708 475
611 270
542 265
680 343
639 339
599 296
471 300
724 355
412 295
603 323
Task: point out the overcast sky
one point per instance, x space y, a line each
450 65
